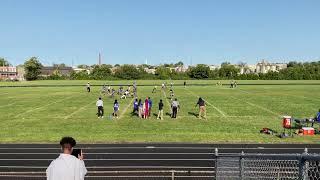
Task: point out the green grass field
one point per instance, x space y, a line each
45 114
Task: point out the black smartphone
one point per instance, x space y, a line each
76 152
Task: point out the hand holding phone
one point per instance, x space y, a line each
77 153
80 156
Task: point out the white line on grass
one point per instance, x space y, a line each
7 105
221 112
248 92
80 109
283 94
258 106
125 109
41 107
301 96
165 96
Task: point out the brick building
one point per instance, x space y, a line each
8 72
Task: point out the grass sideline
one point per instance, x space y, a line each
44 114
155 82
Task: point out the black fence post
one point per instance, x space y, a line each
303 169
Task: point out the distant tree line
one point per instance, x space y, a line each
294 71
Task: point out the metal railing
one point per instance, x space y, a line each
134 174
303 166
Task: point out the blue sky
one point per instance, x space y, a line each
161 31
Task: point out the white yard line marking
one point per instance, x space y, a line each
125 109
248 92
165 96
258 106
41 107
300 96
7 105
221 112
283 94
80 109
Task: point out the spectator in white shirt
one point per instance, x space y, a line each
67 166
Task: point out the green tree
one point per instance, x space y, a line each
83 66
127 72
32 69
180 63
101 72
4 62
162 72
143 73
201 71
228 71
293 64
168 65
214 74
107 65
145 66
82 75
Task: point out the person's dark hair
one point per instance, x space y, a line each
160 100
99 98
200 99
115 101
149 98
67 142
176 99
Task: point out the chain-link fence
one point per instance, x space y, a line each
268 166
